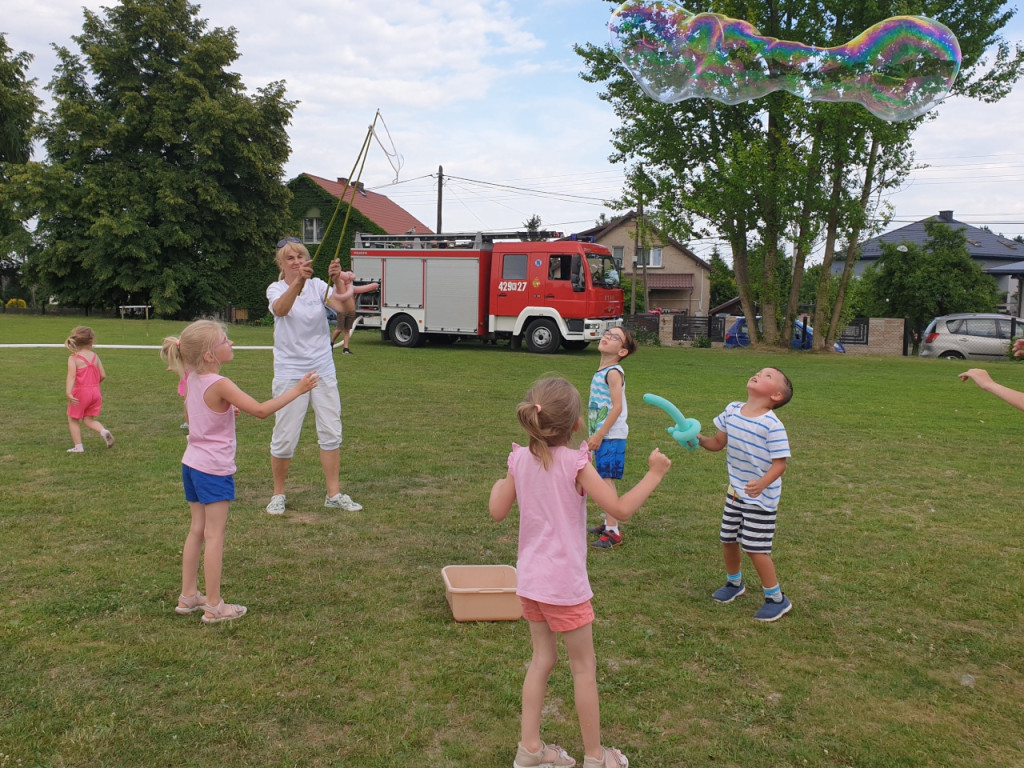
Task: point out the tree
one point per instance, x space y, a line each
723 283
19 107
163 183
923 283
532 226
779 170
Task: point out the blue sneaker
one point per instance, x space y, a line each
772 611
728 593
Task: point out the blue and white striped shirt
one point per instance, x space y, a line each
752 445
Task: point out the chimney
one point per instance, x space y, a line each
946 216
358 185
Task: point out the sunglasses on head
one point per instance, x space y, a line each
283 243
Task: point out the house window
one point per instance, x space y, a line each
618 253
312 230
651 255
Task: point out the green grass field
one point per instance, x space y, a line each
899 543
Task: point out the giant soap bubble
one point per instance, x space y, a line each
899 68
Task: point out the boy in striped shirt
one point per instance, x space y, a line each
756 451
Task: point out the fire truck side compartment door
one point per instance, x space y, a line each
453 295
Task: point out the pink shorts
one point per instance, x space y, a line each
559 618
90 399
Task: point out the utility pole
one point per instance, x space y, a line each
440 188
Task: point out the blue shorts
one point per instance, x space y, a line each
202 488
610 459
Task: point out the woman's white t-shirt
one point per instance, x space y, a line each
302 338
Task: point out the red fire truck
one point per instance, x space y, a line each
487 286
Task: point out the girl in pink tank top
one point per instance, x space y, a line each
82 387
551 482
208 466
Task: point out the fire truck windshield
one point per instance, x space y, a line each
603 271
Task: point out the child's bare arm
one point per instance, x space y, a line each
614 379
716 442
69 382
754 487
503 494
623 508
226 391
981 377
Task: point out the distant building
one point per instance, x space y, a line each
314 200
993 253
677 279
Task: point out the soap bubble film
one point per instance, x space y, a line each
898 69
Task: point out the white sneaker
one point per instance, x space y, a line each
276 505
342 501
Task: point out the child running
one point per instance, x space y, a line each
758 447
208 466
82 387
551 482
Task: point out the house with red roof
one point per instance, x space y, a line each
315 200
677 279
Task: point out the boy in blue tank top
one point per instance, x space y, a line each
606 419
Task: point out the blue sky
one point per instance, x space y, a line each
490 90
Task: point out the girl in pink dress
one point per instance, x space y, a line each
208 466
82 387
551 482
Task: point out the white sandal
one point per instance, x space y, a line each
187 605
223 612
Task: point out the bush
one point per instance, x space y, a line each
702 342
645 337
16 304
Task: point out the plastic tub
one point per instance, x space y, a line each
481 592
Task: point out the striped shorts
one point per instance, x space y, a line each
751 526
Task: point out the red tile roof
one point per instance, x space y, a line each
387 215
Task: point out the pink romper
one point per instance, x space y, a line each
86 389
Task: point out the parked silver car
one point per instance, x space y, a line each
971 336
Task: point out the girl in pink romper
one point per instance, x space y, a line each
82 387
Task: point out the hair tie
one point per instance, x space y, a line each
177 342
538 407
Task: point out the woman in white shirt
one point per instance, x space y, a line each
302 343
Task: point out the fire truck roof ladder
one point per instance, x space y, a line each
465 240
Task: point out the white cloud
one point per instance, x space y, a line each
490 89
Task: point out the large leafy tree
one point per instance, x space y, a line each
779 171
19 108
921 283
723 283
163 183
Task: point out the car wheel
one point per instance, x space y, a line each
951 355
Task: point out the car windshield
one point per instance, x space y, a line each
603 271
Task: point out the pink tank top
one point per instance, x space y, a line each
211 435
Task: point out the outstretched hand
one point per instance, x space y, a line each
309 381
659 462
978 375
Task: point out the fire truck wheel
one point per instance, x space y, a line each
542 336
404 332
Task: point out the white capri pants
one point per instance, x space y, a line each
288 421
